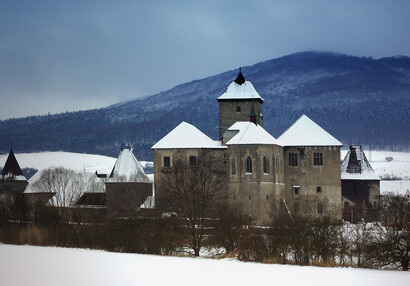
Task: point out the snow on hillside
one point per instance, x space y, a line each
30 265
75 161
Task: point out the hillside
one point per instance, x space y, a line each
355 99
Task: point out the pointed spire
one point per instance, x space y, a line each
11 169
252 115
240 78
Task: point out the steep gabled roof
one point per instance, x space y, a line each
11 169
305 132
249 134
127 168
240 89
186 136
355 165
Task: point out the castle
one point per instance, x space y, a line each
299 172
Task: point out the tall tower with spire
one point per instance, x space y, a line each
235 104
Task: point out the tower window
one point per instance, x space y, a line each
296 191
319 208
249 164
318 190
266 165
293 159
167 161
238 109
192 161
318 159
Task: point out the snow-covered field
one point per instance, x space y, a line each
30 265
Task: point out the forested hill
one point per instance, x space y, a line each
355 99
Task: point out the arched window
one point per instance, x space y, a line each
266 165
249 164
233 167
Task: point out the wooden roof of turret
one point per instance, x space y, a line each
12 170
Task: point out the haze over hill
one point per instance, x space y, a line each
355 99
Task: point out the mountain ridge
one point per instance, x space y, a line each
353 98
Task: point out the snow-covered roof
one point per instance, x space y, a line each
127 168
240 91
305 132
355 165
250 133
186 136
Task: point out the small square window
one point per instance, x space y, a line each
192 161
238 109
167 162
318 190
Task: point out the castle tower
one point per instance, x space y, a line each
235 103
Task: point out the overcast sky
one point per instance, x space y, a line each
58 56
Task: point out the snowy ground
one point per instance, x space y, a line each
30 265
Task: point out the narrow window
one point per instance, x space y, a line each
233 167
318 159
319 208
238 109
167 162
267 197
293 159
249 164
318 190
250 197
192 161
296 190
266 165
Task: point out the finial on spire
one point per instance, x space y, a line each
240 79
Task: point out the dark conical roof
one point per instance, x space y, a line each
11 169
240 78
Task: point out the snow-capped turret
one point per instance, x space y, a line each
355 165
127 168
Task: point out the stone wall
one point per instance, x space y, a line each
310 202
228 114
124 199
11 187
183 155
258 192
359 196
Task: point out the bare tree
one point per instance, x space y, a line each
68 185
194 193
